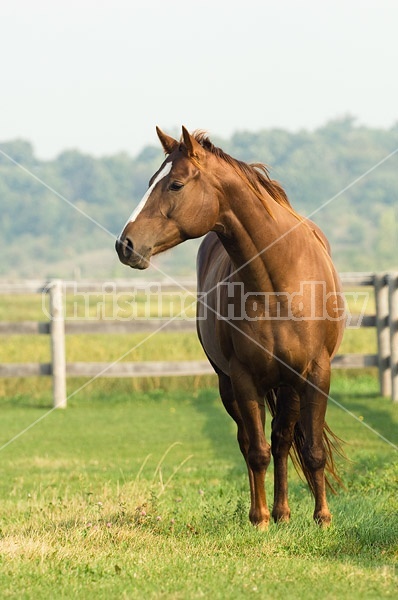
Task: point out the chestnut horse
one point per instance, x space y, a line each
270 312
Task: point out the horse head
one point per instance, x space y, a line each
179 204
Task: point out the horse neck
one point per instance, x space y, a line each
251 237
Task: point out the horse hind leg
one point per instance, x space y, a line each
286 412
314 454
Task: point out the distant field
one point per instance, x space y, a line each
108 347
34 307
134 347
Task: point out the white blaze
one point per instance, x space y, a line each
165 171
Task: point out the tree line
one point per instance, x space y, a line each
342 174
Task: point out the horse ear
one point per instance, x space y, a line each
195 150
168 143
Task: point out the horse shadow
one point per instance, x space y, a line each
219 428
374 412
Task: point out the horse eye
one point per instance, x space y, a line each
175 186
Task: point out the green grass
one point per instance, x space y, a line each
132 494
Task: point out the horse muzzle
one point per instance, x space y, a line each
131 257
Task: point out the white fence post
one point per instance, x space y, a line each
58 362
383 333
393 301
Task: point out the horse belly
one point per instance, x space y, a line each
209 338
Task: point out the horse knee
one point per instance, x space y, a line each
281 440
259 458
314 457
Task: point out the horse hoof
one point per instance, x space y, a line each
281 513
260 521
263 526
323 519
281 517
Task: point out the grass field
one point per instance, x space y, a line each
138 489
144 494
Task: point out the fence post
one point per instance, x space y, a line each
58 344
393 302
383 333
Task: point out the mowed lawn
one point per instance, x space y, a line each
144 494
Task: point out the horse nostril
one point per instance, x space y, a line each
124 247
127 247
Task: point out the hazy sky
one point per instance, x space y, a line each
99 75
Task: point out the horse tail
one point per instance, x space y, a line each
332 446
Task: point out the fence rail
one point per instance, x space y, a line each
385 321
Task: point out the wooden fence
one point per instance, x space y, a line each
385 322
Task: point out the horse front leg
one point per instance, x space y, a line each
258 453
232 408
